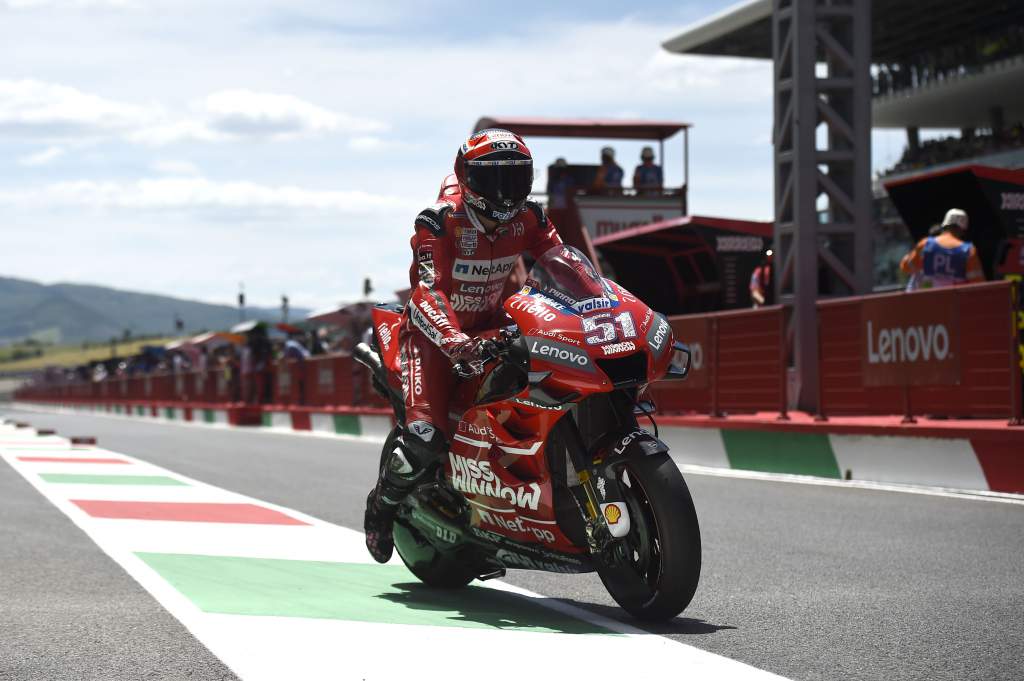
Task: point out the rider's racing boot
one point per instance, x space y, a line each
377 523
413 455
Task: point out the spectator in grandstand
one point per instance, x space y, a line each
560 183
293 347
608 179
647 176
762 290
946 259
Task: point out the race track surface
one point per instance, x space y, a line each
803 581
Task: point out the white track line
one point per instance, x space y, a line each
973 495
275 647
694 469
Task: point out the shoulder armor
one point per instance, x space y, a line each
433 218
538 213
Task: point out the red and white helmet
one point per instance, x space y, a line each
495 172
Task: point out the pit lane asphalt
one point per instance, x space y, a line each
807 582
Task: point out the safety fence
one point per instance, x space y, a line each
737 363
324 381
945 352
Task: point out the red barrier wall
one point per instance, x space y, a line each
985 335
737 363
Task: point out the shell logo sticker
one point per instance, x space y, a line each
612 514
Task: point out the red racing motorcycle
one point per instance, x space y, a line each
548 467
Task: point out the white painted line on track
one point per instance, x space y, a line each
262 646
978 495
695 469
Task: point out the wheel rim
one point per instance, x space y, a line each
643 542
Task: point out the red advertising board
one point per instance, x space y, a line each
695 332
911 339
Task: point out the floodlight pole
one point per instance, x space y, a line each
822 195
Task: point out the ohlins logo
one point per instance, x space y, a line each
385 335
908 344
476 477
534 308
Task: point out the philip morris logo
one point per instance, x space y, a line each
908 344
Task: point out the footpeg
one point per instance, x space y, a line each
496 574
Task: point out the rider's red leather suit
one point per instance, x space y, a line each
458 277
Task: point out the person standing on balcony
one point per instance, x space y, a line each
608 179
946 259
647 177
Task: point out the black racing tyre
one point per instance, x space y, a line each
432 567
662 569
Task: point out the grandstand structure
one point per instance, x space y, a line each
847 66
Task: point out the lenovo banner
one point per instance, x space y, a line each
911 339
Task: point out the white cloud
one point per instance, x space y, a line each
67 4
50 111
41 158
31 108
237 114
240 199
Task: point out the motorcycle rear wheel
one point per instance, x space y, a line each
662 569
431 566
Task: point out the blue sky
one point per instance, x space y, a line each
183 146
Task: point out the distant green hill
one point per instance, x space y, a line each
82 312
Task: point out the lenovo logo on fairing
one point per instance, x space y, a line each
908 344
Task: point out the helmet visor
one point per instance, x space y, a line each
504 182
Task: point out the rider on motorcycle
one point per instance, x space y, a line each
464 248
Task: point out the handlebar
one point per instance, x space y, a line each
492 349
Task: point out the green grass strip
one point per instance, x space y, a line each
86 479
362 592
781 452
347 424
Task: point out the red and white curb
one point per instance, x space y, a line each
163 529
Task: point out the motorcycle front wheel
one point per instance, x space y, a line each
659 575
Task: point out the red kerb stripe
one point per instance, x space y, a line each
186 511
69 459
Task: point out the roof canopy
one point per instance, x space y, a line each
584 127
688 264
923 199
899 28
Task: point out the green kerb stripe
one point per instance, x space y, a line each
208 416
86 479
347 424
169 412
265 419
141 411
780 452
360 592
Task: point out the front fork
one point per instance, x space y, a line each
602 544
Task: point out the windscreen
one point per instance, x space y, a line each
565 275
